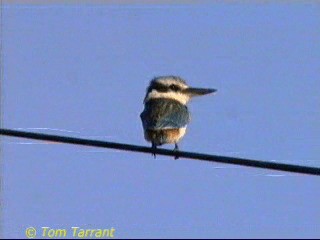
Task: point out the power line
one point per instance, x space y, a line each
1 104
181 154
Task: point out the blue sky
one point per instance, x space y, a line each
82 70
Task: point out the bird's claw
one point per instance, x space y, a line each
154 147
176 150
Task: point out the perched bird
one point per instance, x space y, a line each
165 115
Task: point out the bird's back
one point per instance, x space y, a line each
164 113
164 120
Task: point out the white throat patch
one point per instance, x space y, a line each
180 97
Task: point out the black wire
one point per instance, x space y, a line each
189 155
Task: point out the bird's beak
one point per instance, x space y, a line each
192 92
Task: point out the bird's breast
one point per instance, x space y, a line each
163 136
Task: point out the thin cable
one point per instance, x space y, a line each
189 155
1 108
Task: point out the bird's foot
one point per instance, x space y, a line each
154 147
176 150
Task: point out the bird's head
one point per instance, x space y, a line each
173 87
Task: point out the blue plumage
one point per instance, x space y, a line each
163 113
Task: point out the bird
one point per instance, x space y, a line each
165 116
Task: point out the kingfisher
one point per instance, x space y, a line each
165 116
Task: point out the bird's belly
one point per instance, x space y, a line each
163 136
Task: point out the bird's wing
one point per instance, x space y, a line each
164 114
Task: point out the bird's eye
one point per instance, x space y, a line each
174 87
